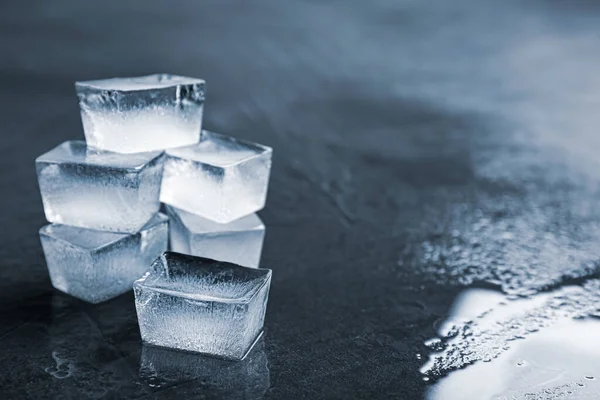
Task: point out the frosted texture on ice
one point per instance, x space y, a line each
238 242
202 305
95 266
218 150
146 113
220 178
101 190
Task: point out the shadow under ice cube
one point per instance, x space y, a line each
97 189
220 178
146 113
238 242
202 305
95 266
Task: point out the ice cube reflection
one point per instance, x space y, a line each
246 379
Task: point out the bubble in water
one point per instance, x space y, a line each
435 344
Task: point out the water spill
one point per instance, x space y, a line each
520 249
554 364
484 325
63 368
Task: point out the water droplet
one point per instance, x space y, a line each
435 344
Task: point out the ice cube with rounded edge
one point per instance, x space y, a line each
95 266
139 114
95 189
238 242
220 178
202 305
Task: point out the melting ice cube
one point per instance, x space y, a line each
238 242
220 178
131 115
97 189
202 305
94 265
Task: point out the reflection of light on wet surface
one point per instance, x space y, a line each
521 245
532 227
249 379
534 348
560 362
533 82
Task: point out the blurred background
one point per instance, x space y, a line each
433 219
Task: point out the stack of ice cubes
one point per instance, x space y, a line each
212 190
145 144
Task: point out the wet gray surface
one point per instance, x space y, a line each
420 151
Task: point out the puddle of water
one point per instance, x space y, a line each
559 362
541 347
63 368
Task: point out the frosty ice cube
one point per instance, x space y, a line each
220 178
146 113
97 189
202 305
96 266
239 242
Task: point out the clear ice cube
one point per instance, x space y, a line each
239 242
202 305
146 113
220 178
95 266
97 189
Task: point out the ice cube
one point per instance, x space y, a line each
202 305
220 178
146 113
247 379
97 189
239 242
96 266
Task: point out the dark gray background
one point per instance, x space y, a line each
395 124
